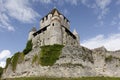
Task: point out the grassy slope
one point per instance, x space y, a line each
83 78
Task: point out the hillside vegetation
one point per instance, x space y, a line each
48 55
1 71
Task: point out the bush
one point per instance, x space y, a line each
21 57
8 61
28 47
49 54
14 60
108 58
1 71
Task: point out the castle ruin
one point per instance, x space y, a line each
54 29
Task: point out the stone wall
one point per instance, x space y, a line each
73 62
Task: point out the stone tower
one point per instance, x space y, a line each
77 36
54 29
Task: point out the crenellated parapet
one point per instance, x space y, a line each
53 15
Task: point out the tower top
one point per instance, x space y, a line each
75 32
33 29
54 11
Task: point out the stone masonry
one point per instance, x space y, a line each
54 29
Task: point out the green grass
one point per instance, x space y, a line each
28 47
83 78
49 54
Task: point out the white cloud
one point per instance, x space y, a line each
16 9
111 42
2 64
43 1
3 56
4 20
102 6
116 21
20 10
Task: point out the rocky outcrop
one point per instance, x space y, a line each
73 62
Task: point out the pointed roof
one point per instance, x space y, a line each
75 32
53 11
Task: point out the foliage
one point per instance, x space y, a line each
21 57
8 61
49 54
28 47
1 71
50 78
35 59
108 58
14 60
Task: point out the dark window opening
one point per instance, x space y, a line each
52 24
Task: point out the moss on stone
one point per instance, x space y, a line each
14 60
108 58
35 59
49 54
8 61
28 47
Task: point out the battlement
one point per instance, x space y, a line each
49 17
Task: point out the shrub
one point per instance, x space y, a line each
8 61
108 58
1 71
21 57
14 60
49 54
28 47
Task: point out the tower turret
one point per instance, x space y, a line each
56 30
33 30
77 36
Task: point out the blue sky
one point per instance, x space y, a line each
96 21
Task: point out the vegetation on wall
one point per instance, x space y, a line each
28 47
14 60
108 58
8 61
1 71
21 57
35 59
49 54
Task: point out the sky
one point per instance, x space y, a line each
96 21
